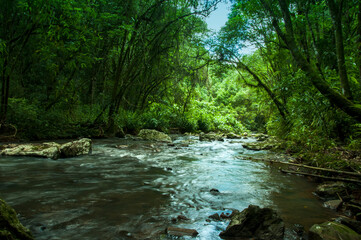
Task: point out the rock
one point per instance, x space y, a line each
10 226
214 191
332 231
233 136
298 229
47 150
353 224
260 136
181 232
211 137
215 217
227 216
330 190
333 204
76 148
180 218
353 210
255 222
154 135
270 143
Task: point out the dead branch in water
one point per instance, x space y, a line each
318 168
321 176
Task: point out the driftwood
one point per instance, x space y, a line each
321 176
318 168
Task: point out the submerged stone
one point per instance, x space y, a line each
154 135
173 231
10 226
255 222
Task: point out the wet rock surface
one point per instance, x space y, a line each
154 135
211 137
174 231
333 204
263 143
76 148
331 190
10 226
49 149
255 222
332 231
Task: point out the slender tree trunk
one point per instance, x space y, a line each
281 108
318 82
5 81
358 43
336 14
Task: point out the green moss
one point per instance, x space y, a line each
10 226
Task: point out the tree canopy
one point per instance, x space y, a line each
119 66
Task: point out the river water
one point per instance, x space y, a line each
134 191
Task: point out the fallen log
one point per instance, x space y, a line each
321 176
318 168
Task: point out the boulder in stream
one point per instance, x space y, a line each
332 231
269 143
10 226
154 135
211 137
255 222
76 148
48 150
232 135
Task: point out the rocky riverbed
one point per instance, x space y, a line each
135 189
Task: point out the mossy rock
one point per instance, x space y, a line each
10 226
332 231
331 190
154 135
268 144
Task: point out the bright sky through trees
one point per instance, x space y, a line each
218 18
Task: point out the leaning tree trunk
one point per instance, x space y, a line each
339 100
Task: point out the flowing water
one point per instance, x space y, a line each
135 190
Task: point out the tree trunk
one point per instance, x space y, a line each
358 43
318 82
336 15
281 108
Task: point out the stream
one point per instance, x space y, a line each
135 190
